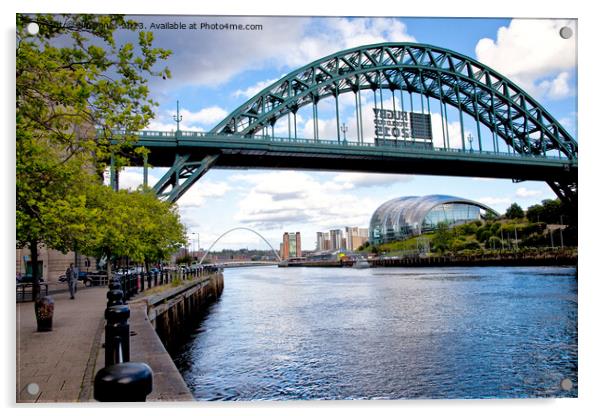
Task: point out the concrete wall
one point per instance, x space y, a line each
175 313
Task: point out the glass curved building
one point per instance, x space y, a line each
409 216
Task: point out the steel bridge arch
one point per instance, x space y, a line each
439 73
240 228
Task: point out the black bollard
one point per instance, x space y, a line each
125 382
115 297
117 335
125 287
115 285
155 278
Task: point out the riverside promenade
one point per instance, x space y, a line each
60 365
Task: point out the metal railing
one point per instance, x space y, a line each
135 283
400 146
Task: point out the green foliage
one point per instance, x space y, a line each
514 211
549 212
74 86
73 78
477 236
468 228
465 246
483 234
131 224
494 243
442 239
490 216
409 244
185 259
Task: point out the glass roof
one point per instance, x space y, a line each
408 212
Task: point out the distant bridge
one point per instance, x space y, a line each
236 229
516 138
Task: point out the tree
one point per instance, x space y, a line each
74 87
514 211
131 224
443 237
490 216
550 212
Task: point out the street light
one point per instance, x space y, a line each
198 240
470 141
177 117
344 130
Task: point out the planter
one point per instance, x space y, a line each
44 308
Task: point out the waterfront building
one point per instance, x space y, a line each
322 240
356 236
291 245
52 263
336 240
408 216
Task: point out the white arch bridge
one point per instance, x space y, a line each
241 228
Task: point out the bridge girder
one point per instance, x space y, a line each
436 72
473 88
182 175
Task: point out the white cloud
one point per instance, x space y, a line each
329 35
286 42
531 53
131 178
557 88
523 192
201 120
202 190
254 89
205 116
279 199
494 201
366 180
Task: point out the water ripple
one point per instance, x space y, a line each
381 334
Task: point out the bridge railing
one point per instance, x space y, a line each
399 145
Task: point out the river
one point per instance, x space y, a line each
386 333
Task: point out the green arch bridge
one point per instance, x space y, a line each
514 136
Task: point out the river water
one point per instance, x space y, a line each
386 333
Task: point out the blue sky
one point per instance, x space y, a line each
213 72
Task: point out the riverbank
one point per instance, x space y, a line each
560 258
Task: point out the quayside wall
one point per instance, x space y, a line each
176 312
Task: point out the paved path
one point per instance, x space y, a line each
59 366
59 362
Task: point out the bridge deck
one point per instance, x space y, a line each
268 152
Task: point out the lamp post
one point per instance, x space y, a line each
470 138
198 246
191 242
344 130
177 118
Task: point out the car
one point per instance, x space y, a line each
27 278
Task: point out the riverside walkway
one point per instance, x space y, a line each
59 366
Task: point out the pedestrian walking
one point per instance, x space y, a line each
71 275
